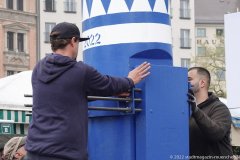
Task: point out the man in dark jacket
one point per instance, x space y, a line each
210 122
58 130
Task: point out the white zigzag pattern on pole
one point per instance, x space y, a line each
141 6
85 13
97 8
160 6
117 6
120 6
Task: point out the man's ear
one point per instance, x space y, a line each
72 41
202 83
75 39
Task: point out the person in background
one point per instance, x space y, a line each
58 130
210 122
14 149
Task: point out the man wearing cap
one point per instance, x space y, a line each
58 130
14 149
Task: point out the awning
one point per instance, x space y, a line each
18 119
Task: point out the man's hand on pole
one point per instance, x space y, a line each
192 101
140 72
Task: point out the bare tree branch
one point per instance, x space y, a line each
214 61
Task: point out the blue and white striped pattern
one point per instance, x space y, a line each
127 33
113 22
93 8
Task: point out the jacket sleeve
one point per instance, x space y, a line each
104 85
216 125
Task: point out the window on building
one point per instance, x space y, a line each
201 32
50 6
201 51
219 32
10 41
16 41
9 4
10 72
220 74
20 5
185 38
184 9
48 29
185 62
70 6
20 42
220 51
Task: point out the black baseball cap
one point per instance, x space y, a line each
66 30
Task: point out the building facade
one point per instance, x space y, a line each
209 28
52 12
18 32
183 34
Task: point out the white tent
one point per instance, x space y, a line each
13 88
12 100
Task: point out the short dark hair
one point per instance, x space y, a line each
202 71
59 43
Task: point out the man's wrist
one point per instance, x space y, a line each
131 82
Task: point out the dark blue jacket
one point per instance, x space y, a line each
60 114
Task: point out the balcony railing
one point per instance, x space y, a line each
185 43
70 7
185 13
